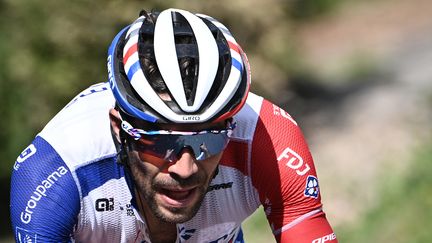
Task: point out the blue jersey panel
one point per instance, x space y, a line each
96 174
45 200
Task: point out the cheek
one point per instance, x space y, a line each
140 168
153 160
142 174
210 164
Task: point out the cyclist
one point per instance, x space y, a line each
174 148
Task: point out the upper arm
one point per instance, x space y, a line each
45 200
284 174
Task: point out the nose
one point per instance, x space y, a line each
185 166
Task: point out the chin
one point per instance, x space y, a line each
176 215
172 214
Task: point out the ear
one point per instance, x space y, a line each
115 123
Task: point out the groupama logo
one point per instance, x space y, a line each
40 192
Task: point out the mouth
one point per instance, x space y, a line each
178 198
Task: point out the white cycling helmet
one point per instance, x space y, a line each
178 67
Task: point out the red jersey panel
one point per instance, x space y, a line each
283 172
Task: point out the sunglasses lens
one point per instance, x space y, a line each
168 147
168 144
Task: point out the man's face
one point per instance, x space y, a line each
173 192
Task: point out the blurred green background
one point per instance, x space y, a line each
356 75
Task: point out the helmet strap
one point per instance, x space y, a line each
121 147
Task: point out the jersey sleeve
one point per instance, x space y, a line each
45 200
283 172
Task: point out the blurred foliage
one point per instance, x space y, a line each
303 10
53 50
257 229
403 214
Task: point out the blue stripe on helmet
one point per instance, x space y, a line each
237 64
133 69
113 83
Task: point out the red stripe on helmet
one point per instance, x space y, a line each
130 51
234 47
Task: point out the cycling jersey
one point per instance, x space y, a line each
67 185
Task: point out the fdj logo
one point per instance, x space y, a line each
294 161
105 204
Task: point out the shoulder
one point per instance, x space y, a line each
278 148
264 131
247 117
77 141
281 167
40 179
80 132
259 115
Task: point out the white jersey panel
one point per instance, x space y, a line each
80 132
247 118
107 215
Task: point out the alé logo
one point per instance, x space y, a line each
294 161
104 204
27 153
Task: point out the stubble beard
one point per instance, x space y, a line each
174 215
149 189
